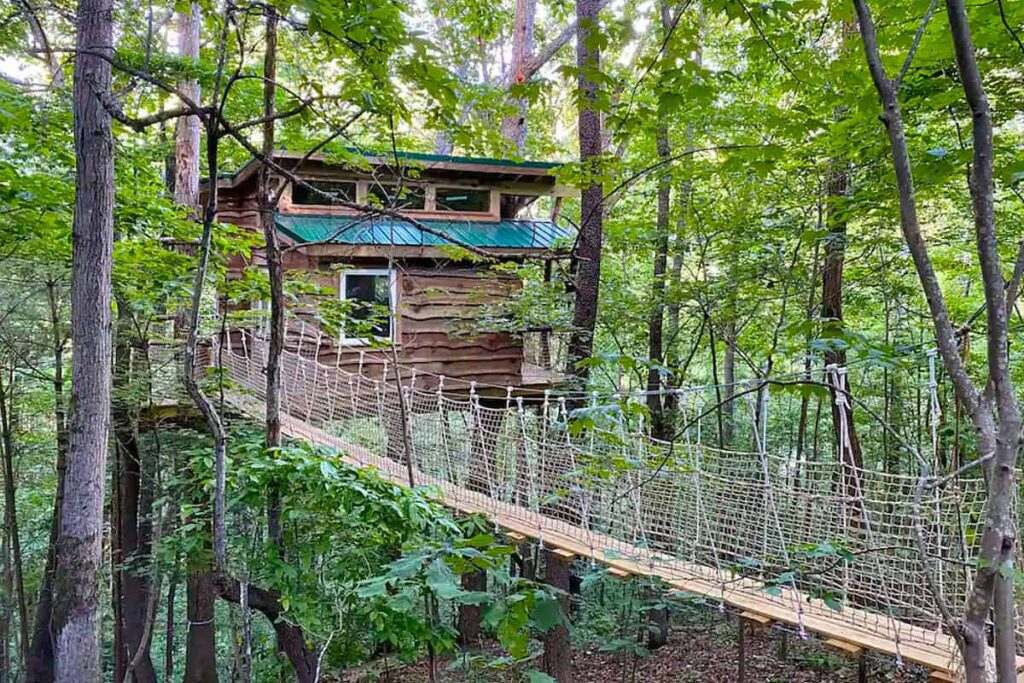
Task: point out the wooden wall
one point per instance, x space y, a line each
437 328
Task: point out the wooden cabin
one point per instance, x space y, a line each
436 297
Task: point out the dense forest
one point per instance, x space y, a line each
770 280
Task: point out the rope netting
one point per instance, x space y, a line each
823 541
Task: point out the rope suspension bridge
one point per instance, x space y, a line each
822 547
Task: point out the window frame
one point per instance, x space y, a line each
464 188
320 203
392 276
421 186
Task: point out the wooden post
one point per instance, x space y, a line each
741 649
470 615
557 649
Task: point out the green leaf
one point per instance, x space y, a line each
534 676
547 613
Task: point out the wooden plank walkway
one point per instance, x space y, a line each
856 628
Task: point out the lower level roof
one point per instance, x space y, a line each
387 231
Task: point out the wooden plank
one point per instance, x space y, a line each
618 573
514 537
564 554
846 648
940 677
756 620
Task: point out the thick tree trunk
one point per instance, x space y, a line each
201 640
513 127
80 537
587 255
557 648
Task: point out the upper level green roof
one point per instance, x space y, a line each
385 231
485 164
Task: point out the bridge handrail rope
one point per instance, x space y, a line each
717 522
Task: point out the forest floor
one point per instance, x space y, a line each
699 650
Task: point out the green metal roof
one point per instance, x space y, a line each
385 231
423 158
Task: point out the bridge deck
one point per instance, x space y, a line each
928 648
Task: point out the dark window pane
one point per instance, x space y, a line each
373 294
342 190
450 199
409 197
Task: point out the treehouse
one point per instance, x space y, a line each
422 278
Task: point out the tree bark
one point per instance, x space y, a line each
837 189
729 375
275 274
80 537
587 254
201 639
557 648
11 516
132 585
39 666
6 607
186 134
513 127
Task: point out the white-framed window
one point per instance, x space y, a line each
373 290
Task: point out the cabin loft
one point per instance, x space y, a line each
417 285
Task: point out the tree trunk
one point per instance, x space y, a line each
267 202
186 134
513 127
587 254
728 378
80 537
132 586
11 515
6 607
39 666
172 592
557 648
656 318
832 316
201 640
